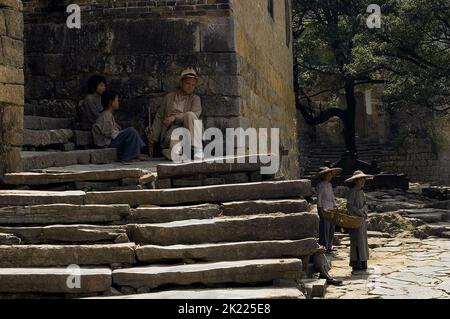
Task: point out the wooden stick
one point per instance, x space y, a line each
150 144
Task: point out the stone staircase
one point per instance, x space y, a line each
52 142
325 155
100 180
222 241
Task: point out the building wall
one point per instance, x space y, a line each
420 146
11 85
266 70
140 47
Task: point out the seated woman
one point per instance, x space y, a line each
91 107
107 133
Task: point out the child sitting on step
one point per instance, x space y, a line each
107 133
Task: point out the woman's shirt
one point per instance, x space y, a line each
356 202
325 195
91 108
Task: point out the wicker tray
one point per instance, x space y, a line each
341 218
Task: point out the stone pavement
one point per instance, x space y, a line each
399 268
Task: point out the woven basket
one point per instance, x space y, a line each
341 218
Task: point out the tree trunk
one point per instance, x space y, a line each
350 117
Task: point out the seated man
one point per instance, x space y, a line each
107 133
91 107
322 266
179 109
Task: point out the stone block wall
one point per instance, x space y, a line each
141 47
419 162
264 47
11 85
421 147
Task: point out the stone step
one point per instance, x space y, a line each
63 214
61 234
243 272
54 280
219 294
204 194
228 251
159 214
83 138
30 178
30 198
45 138
46 123
231 229
440 204
41 160
8 239
429 215
230 164
256 207
315 288
65 255
168 214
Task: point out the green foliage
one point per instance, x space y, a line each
409 54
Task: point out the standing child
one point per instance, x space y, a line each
326 200
107 133
357 206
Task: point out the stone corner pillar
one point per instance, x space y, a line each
11 85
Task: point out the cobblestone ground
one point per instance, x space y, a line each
399 268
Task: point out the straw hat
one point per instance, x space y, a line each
358 175
189 73
324 170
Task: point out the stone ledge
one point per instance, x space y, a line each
52 280
63 214
205 194
230 229
45 138
247 271
29 198
219 294
228 251
64 255
30 178
248 163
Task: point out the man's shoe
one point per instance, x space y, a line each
334 282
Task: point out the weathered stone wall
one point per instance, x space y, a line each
11 85
265 53
142 46
420 146
139 46
306 137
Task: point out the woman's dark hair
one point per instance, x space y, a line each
94 81
107 98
